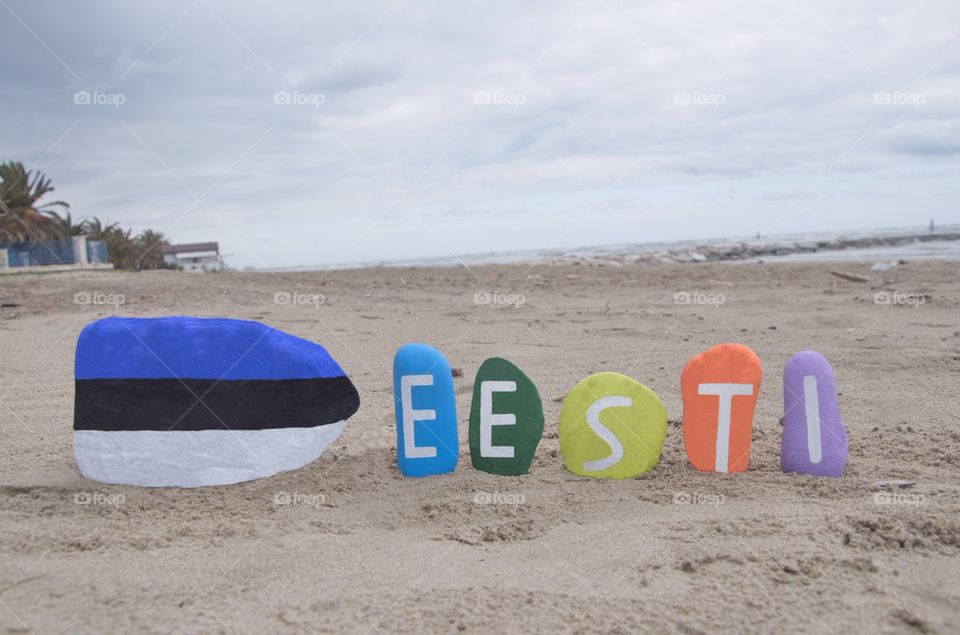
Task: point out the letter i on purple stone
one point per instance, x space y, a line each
814 437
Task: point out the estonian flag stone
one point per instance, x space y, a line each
190 402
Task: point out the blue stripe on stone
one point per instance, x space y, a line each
196 348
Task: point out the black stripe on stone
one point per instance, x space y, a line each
250 404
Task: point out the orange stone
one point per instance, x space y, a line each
720 388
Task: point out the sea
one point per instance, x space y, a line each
917 250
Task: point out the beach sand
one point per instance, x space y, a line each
360 549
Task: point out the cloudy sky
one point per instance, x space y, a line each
307 133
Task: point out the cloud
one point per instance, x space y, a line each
531 117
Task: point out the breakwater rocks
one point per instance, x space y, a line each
749 250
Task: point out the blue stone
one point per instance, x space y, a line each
426 411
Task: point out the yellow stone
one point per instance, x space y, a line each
611 426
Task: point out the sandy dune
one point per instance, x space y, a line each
357 548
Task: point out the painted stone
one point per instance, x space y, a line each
720 388
506 419
814 438
611 426
190 402
426 411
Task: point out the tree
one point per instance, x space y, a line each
97 230
126 251
22 217
67 228
149 243
121 248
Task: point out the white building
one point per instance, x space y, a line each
193 256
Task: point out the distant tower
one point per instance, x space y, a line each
931 225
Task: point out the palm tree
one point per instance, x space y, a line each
98 230
22 217
121 248
124 250
149 243
67 228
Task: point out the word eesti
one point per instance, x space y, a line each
612 426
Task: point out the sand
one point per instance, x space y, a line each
357 548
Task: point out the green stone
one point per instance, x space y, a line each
506 419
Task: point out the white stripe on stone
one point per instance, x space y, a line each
178 458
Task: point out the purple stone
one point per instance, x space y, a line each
814 439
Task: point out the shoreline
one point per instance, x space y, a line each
745 251
717 250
